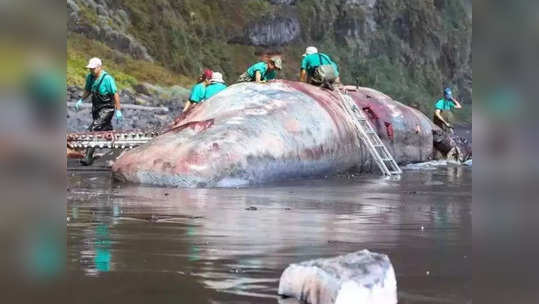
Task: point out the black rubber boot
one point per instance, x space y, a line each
88 158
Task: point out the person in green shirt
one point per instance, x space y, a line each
199 90
217 84
262 71
443 107
318 69
105 101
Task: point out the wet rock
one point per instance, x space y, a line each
359 277
451 146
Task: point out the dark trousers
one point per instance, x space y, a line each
102 119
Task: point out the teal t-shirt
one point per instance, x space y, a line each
312 61
444 104
262 67
108 86
213 89
197 93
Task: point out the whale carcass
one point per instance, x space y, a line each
255 133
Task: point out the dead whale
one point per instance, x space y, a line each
256 133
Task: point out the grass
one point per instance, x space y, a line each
126 71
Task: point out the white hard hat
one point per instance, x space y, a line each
310 50
94 63
216 77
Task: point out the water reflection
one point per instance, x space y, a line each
238 241
45 251
102 249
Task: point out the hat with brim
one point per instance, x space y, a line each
310 50
94 63
217 77
277 62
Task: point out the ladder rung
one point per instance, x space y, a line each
370 138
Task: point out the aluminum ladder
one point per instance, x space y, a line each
368 135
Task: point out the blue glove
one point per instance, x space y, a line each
119 116
448 94
77 105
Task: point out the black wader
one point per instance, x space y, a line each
102 113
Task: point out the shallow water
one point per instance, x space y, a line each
136 244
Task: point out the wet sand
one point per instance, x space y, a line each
137 244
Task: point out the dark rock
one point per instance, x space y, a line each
101 11
283 2
142 88
103 32
72 6
273 31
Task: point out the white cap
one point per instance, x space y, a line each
310 50
94 63
216 77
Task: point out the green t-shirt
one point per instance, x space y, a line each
444 104
213 89
108 86
197 93
312 61
262 67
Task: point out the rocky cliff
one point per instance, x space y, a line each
407 49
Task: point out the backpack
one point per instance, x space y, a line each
324 72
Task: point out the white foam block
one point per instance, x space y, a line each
359 277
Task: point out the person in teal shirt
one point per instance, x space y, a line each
105 101
443 107
312 59
199 90
262 71
217 84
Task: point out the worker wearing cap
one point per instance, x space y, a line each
310 65
105 101
262 71
199 90
442 113
217 84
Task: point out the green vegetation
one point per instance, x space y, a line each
126 71
417 48
190 35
